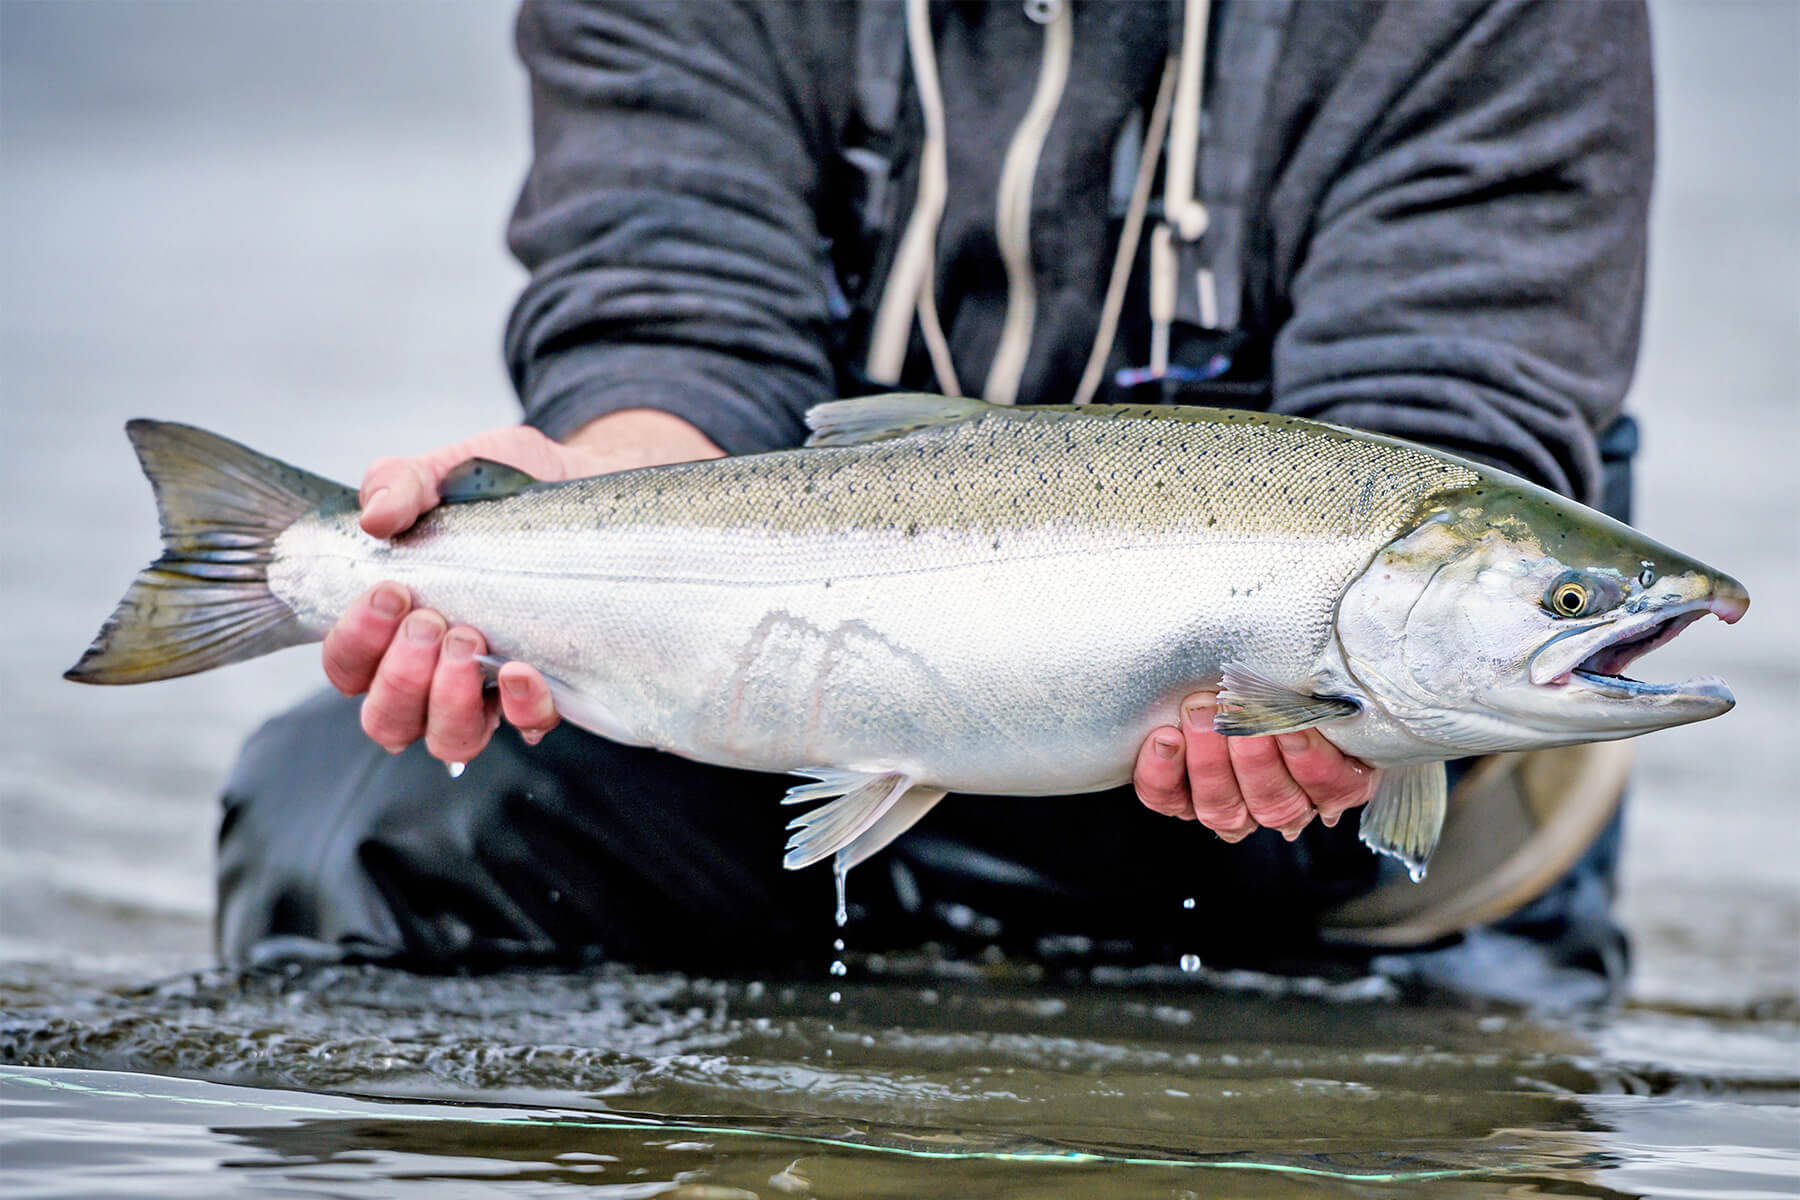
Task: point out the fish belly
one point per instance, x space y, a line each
1033 664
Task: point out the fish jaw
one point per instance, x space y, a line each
1584 668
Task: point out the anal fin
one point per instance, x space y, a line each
1252 705
857 821
1407 814
902 815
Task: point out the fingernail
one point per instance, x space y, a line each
1197 713
1165 747
374 500
388 601
518 689
1331 820
460 646
1293 743
424 628
531 737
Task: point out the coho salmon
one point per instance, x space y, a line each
939 595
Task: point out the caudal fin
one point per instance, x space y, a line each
206 602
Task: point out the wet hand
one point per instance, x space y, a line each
1235 786
418 673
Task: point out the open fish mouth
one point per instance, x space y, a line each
1595 659
1604 669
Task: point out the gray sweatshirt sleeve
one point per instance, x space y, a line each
1472 273
667 221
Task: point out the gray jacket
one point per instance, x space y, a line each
1427 217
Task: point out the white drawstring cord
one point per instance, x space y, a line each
1180 208
1012 217
911 286
1183 214
1129 235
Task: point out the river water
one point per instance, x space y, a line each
282 221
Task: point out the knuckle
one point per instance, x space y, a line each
342 676
387 729
1234 825
383 472
1346 794
1219 813
407 674
1165 800
1254 753
1281 811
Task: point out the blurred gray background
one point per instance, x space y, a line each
283 220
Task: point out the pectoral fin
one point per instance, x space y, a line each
857 822
481 479
1407 814
1251 705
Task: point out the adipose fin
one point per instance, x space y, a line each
476 479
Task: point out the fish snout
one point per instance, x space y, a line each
1728 599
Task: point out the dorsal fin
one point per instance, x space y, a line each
481 479
874 418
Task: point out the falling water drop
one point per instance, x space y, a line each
1188 903
1417 871
1190 963
838 945
456 769
839 969
836 998
841 873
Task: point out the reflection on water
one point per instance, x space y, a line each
995 1083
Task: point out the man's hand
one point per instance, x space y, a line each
419 672
1235 786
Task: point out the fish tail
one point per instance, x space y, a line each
206 601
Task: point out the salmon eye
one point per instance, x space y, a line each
1567 598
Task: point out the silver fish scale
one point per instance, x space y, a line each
1006 604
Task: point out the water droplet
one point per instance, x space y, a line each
841 873
456 769
1188 903
838 968
1190 963
1417 872
837 997
838 945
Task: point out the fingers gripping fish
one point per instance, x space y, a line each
928 599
